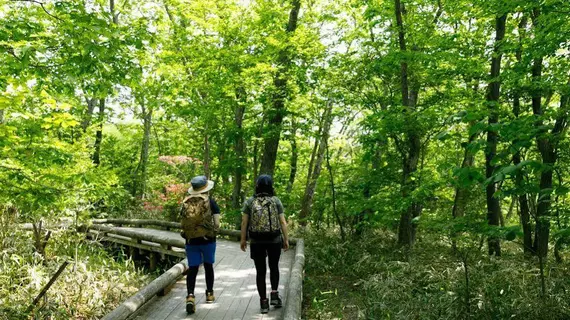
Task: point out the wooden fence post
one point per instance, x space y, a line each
48 285
153 261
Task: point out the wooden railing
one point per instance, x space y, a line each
167 225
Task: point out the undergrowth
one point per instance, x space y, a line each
371 278
93 283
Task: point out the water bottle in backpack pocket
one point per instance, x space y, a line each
264 221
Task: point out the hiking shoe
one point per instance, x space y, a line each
264 306
210 297
190 304
276 300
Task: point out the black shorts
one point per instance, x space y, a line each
262 250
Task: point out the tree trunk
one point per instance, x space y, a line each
547 145
141 171
145 148
91 102
493 204
206 153
256 161
276 113
307 202
114 15
239 148
461 192
99 134
1 116
410 157
524 210
333 191
41 238
407 229
367 190
294 156
315 148
547 153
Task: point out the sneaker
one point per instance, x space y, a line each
276 300
210 297
190 304
264 306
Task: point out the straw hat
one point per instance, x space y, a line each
200 184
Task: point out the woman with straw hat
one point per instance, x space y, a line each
200 219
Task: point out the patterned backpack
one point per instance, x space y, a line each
196 217
264 219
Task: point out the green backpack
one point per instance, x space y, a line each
196 217
264 221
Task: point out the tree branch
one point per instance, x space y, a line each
43 7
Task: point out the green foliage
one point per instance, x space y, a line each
163 91
371 278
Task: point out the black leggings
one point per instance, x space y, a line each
193 273
258 253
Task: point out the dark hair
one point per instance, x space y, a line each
264 186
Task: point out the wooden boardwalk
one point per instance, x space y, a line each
234 286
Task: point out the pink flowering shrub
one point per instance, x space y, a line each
177 160
165 202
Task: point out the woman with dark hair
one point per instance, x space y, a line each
264 219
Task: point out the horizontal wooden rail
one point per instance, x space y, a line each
294 301
138 222
164 224
152 247
135 302
178 243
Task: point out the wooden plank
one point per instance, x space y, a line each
138 222
221 282
165 224
127 308
162 307
253 308
242 298
173 306
232 278
176 252
202 308
293 304
157 236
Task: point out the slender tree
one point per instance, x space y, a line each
277 111
410 148
315 170
493 93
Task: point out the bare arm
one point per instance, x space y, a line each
244 222
284 231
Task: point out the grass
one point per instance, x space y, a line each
371 278
95 282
